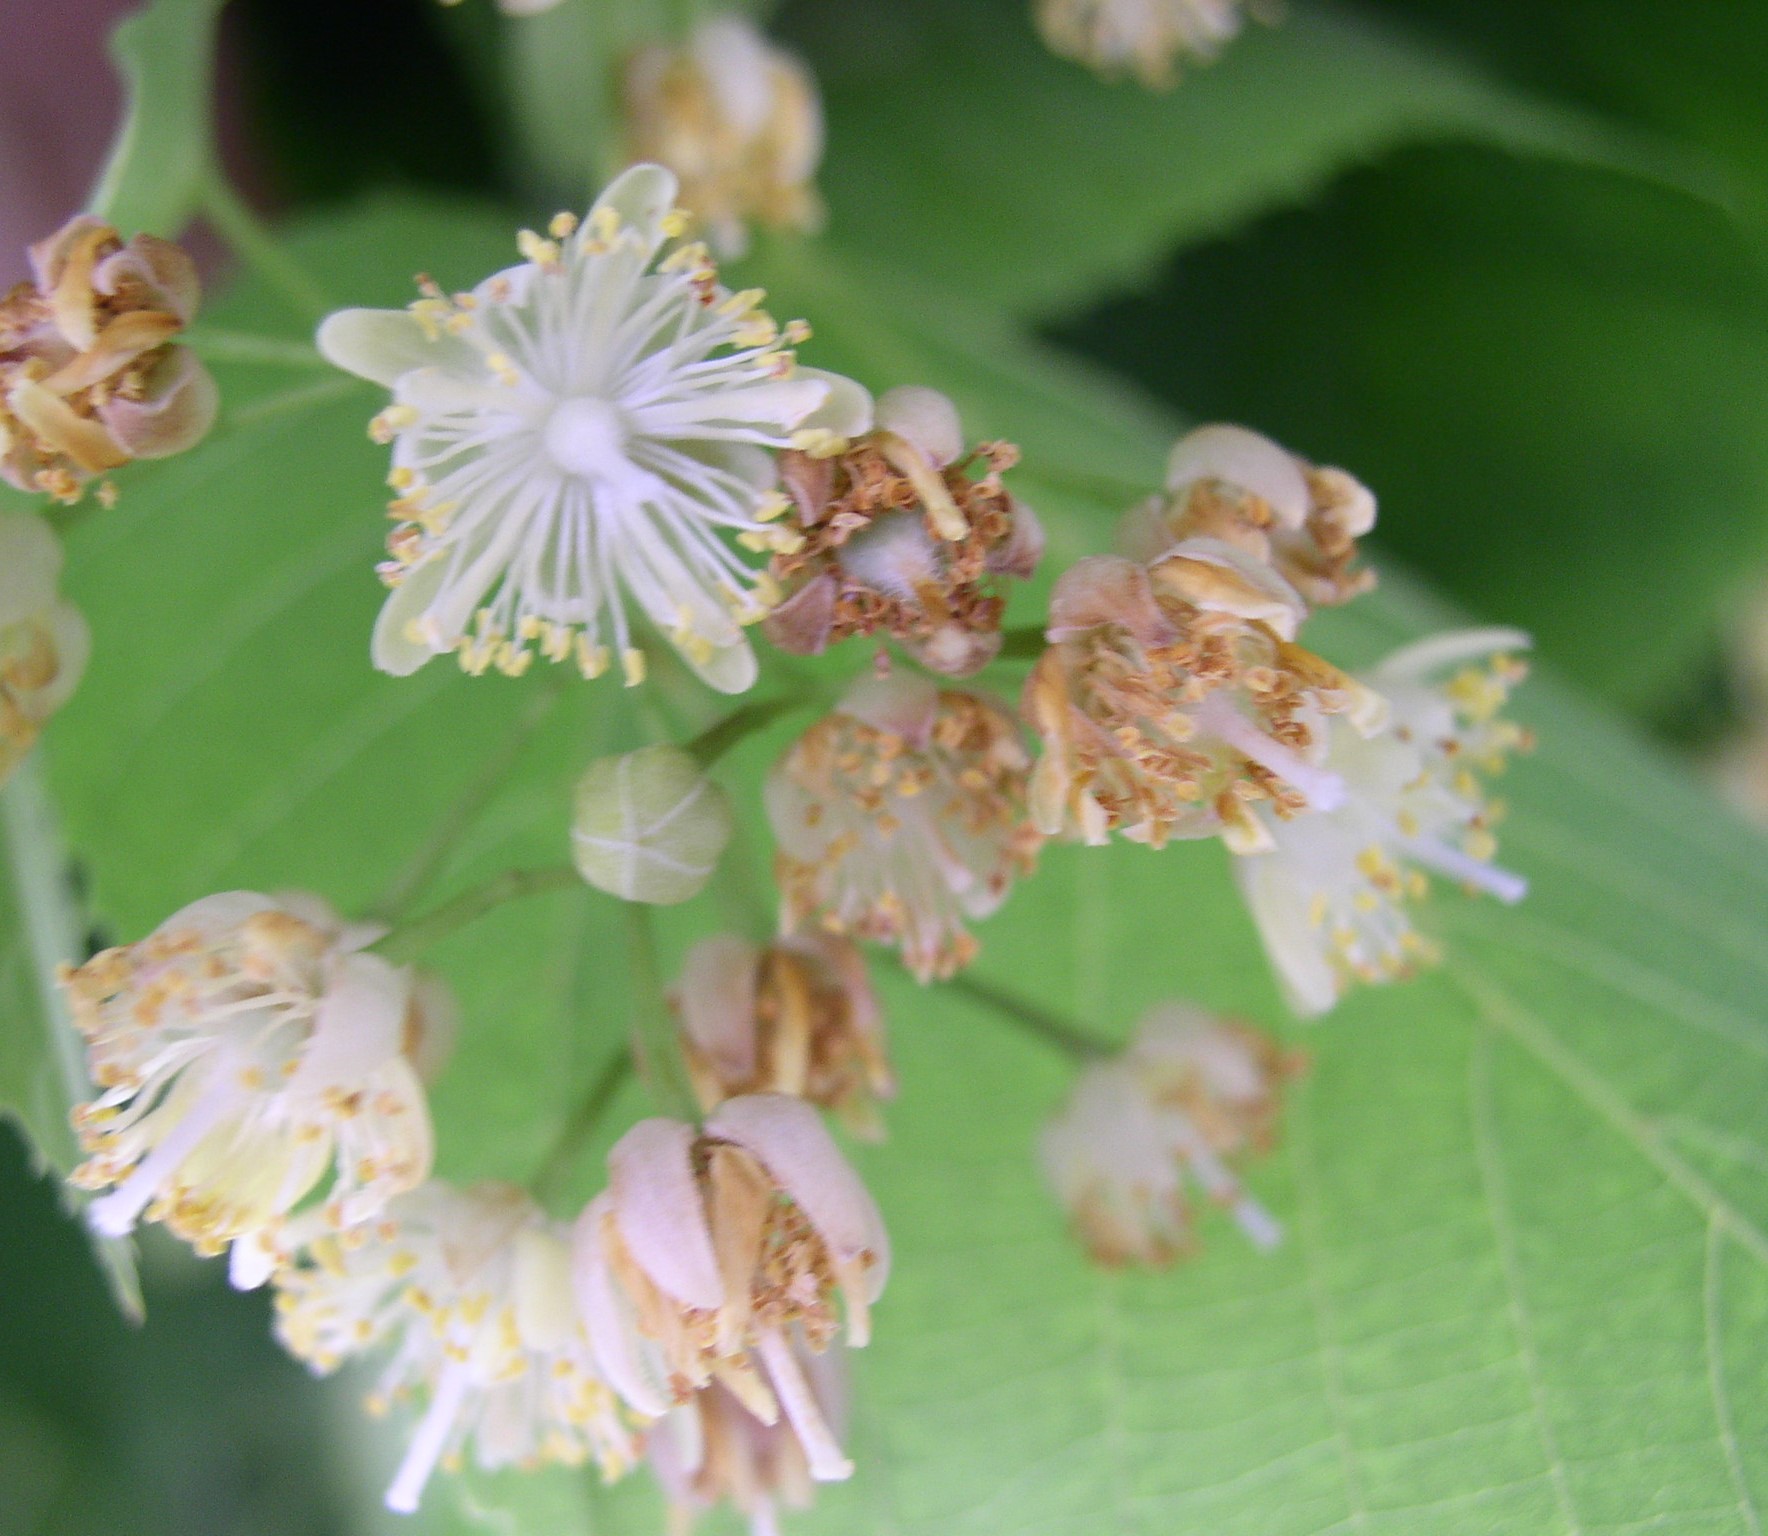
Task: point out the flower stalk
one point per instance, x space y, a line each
407 943
1051 1028
655 1045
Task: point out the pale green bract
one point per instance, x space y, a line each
1527 1256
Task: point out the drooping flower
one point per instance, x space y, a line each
244 1055
719 1256
1144 1129
470 1293
578 434
1330 895
1173 698
1231 484
90 375
712 1450
737 119
895 537
1146 38
902 816
44 642
797 1016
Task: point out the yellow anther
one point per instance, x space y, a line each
741 302
562 226
592 660
632 663
676 223
401 479
819 442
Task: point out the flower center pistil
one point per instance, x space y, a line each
585 437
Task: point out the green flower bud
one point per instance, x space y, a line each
649 826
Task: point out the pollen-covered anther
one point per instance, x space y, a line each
91 375
901 817
797 1016
560 474
1234 485
737 119
711 1255
254 1056
903 533
1332 893
468 1294
1147 1131
1171 700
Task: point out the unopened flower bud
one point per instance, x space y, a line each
44 642
90 375
797 1016
649 826
903 534
737 119
1231 484
1140 1129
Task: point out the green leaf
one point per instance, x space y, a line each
959 147
158 167
1527 1197
42 1075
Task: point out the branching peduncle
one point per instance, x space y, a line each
582 1125
719 737
249 240
654 1041
410 883
406 943
1050 1028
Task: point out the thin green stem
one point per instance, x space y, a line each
221 346
577 1130
654 1040
1051 1028
248 239
406 943
1111 490
719 737
1026 643
424 865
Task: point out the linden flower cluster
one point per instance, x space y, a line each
90 375
1146 38
737 119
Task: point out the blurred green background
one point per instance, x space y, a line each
1554 374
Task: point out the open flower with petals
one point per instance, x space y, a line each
90 376
719 1256
1231 484
581 433
1145 1129
1173 698
246 1057
1146 38
712 1450
737 119
469 1292
44 642
797 1016
1331 894
900 817
901 536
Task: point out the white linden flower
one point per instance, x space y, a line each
1330 895
1189 1091
1143 37
245 1053
472 1290
582 432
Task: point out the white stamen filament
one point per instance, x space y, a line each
1323 789
430 1440
1506 885
115 1214
827 1463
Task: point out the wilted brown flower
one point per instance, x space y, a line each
1173 697
902 815
797 1016
899 536
1231 484
90 377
